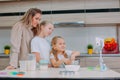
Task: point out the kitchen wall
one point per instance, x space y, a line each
76 38
4 38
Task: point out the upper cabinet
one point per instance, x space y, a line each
89 11
102 12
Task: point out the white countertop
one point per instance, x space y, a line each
83 73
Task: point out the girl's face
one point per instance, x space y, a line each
36 19
60 45
48 29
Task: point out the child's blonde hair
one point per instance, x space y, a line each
43 23
53 51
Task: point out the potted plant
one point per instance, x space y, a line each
7 49
90 48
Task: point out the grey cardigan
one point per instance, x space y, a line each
21 36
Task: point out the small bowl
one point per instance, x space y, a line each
72 67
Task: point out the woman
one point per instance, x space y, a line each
59 56
39 45
21 35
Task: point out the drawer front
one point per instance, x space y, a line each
112 64
82 64
111 59
117 70
92 61
4 61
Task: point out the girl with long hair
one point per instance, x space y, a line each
59 56
22 33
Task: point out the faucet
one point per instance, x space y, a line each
101 62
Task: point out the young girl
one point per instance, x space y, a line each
39 45
58 55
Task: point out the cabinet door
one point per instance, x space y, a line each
4 62
92 61
112 62
117 70
82 61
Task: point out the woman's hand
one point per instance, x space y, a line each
10 67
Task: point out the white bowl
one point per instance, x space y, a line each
72 67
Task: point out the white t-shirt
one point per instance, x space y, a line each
42 46
68 52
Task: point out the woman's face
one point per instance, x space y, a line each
60 45
48 29
36 19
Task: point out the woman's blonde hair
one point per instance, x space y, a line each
27 18
53 51
43 23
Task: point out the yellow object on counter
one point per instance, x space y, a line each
90 51
7 51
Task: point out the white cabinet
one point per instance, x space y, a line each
82 62
111 62
92 61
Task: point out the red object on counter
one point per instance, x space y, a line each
110 46
114 51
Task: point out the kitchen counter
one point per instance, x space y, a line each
2 55
96 55
54 73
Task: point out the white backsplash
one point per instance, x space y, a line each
76 38
4 38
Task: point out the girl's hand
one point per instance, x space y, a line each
10 67
74 54
67 61
49 65
72 57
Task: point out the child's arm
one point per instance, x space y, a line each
56 63
74 54
67 61
37 56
